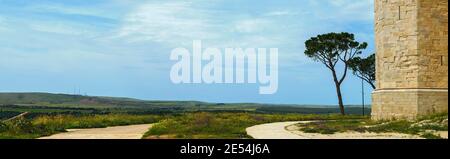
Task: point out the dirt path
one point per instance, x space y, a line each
273 131
116 132
289 130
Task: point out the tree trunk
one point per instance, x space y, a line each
338 91
339 94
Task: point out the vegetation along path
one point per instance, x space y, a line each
116 132
290 130
273 131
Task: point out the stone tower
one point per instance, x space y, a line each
412 58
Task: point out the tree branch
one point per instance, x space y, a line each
344 75
367 79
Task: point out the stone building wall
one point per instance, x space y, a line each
433 43
396 44
412 55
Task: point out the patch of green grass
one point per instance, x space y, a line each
430 136
418 127
94 121
331 127
224 125
435 117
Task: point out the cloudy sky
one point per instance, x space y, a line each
122 47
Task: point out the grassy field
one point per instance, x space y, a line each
202 125
425 127
224 125
53 113
55 104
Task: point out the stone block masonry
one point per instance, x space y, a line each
412 58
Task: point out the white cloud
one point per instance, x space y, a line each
251 25
280 13
169 22
179 23
344 10
93 11
358 10
61 28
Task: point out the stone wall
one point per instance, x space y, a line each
408 103
412 58
396 37
433 43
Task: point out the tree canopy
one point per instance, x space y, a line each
332 48
364 68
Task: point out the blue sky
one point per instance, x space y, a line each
122 47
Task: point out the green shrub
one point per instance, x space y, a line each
3 127
430 136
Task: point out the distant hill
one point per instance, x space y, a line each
48 99
46 103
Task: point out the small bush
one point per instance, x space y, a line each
430 136
3 127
